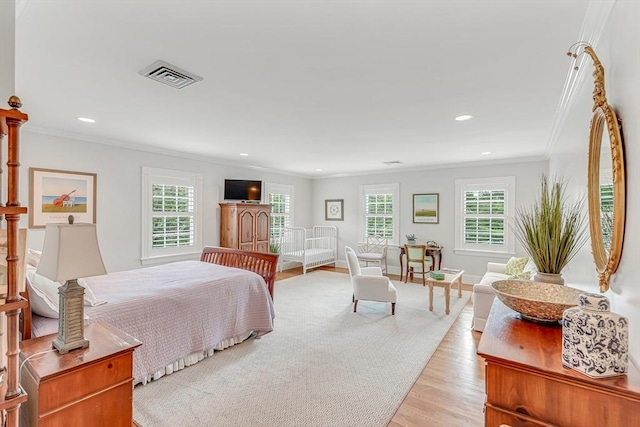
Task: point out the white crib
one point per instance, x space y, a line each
311 247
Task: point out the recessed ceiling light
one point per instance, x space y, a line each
486 153
86 120
464 117
318 170
244 154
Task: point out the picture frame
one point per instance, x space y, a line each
334 210
426 208
56 194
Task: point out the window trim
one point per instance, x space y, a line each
392 188
506 183
149 254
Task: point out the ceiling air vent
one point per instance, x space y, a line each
170 75
392 162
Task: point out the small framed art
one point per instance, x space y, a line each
56 194
425 208
333 210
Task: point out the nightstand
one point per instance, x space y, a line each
85 387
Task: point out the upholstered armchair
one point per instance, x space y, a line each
369 283
374 251
417 262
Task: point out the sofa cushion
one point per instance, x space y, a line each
515 265
490 277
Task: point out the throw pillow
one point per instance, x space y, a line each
33 257
515 265
524 275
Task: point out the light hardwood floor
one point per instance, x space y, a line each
450 390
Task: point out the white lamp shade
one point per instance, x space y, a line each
70 251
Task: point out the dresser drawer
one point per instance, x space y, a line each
532 394
92 378
111 408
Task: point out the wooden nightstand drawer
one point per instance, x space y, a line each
89 387
87 380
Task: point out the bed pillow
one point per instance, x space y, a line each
33 257
44 301
515 265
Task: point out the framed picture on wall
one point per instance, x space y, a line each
56 194
333 210
426 208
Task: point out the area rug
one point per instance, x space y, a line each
323 365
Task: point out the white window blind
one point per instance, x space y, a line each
281 201
379 211
483 207
171 215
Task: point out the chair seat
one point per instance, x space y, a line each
370 256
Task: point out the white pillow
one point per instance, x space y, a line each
43 294
33 257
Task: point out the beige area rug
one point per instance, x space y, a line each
323 365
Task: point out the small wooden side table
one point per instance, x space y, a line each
449 279
85 387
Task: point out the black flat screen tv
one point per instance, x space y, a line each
243 190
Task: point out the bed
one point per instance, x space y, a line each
310 247
182 311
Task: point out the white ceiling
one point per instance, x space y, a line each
300 85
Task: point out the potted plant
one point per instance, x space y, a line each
552 230
411 238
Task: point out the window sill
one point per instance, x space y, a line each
485 254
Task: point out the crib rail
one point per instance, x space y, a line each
310 247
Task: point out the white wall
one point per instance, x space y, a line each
119 172
619 52
441 181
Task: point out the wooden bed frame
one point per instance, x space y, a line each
264 264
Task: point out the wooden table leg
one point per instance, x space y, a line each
401 269
447 295
430 296
460 287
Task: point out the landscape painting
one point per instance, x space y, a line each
425 208
57 194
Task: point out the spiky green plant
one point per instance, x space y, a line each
553 229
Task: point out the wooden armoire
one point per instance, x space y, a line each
245 226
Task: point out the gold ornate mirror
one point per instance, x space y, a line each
606 179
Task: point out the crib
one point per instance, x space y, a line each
311 247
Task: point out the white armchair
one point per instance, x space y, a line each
369 283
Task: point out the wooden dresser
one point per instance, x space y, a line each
245 226
527 385
85 387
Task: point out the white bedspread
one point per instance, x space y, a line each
177 309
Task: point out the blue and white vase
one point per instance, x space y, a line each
595 341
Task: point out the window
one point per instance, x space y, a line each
379 211
171 215
281 201
483 208
606 214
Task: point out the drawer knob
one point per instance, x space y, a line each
522 410
110 365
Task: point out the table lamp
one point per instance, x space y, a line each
70 251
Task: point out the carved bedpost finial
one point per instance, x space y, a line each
14 102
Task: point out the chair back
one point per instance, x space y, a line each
416 257
352 261
377 244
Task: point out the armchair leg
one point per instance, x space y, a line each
353 298
355 305
393 308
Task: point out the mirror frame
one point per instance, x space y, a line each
603 115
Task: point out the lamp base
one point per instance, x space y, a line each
66 347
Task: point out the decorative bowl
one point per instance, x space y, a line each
536 301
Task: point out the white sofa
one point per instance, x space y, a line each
483 293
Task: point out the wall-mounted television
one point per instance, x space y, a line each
242 189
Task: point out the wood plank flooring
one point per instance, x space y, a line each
450 390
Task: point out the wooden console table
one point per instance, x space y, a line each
431 251
527 385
